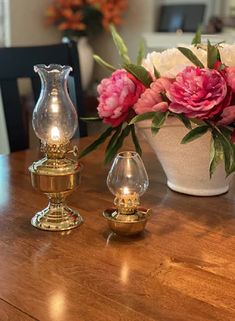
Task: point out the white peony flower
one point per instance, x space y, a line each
171 61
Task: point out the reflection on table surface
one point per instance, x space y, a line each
181 268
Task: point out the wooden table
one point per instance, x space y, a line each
181 268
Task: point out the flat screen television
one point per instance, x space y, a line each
186 17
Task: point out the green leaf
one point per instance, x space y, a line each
114 138
140 73
222 66
141 52
212 55
142 117
159 118
91 119
184 120
226 131
216 152
96 143
232 165
197 38
135 140
190 55
194 134
228 150
156 73
110 154
197 121
103 63
158 121
120 45
154 130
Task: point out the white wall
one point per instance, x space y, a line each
27 23
230 4
27 27
138 19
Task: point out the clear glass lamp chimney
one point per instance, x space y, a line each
54 117
127 175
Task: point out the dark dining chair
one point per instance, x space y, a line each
17 63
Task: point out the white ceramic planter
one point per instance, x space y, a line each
186 166
86 61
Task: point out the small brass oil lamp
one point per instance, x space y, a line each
57 175
127 180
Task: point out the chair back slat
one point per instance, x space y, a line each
36 85
15 117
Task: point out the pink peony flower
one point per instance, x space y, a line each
227 116
230 75
118 94
151 99
198 93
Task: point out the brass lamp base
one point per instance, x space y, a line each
59 218
57 178
127 224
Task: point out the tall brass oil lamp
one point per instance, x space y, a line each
57 174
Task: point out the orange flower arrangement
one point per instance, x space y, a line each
84 17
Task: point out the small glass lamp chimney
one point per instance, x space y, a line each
55 122
127 180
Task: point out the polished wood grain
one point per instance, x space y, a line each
182 268
10 313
